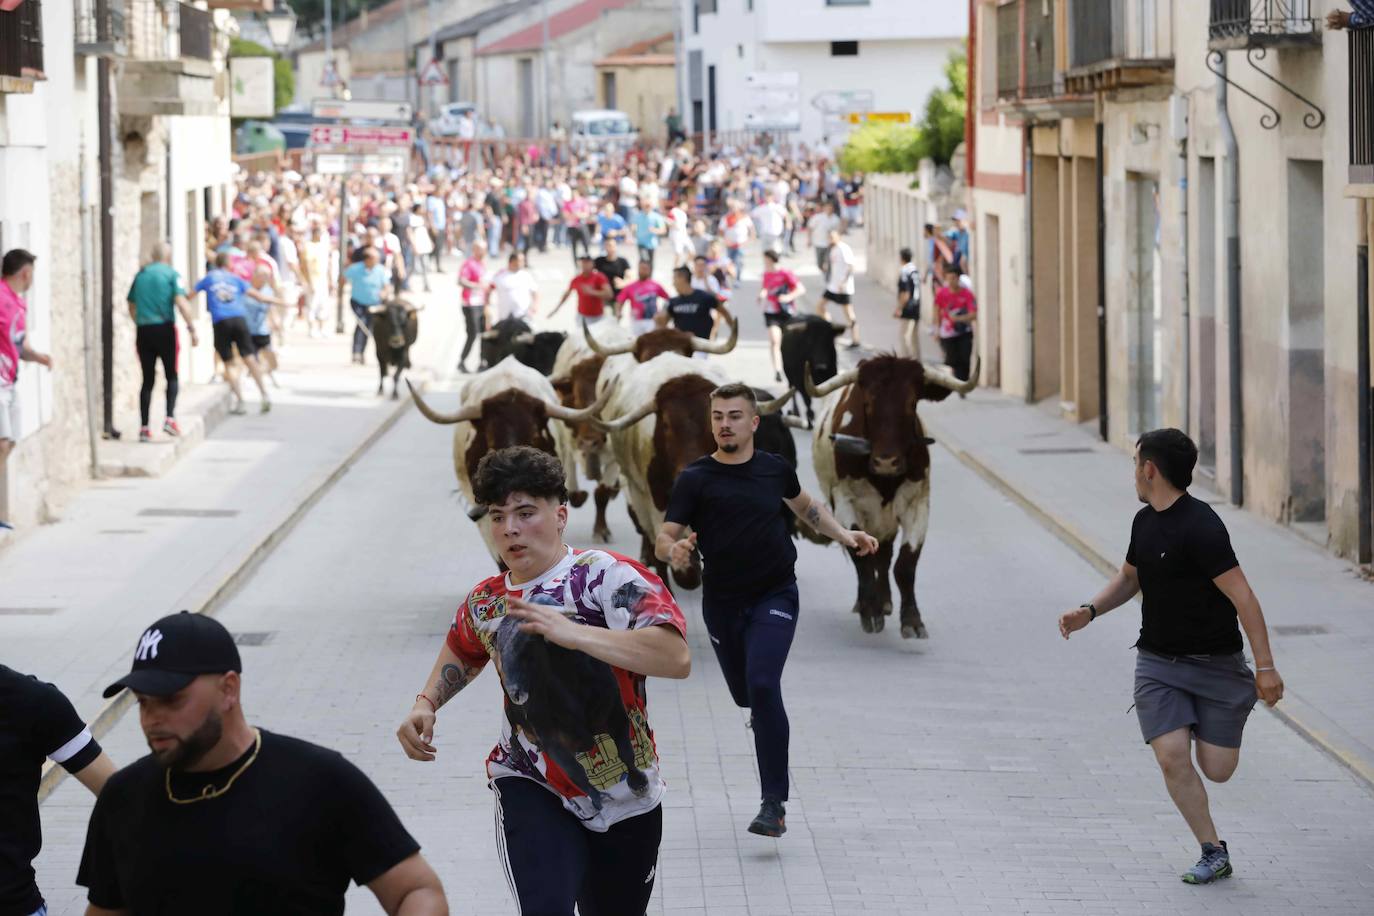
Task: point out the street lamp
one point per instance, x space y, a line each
281 26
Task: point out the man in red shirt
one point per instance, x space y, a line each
593 292
778 294
955 311
643 296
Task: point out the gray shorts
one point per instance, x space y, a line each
9 413
1211 693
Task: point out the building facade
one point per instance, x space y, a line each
1109 140
824 60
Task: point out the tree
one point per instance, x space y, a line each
885 147
310 13
284 79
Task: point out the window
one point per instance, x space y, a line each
707 6
696 16
844 49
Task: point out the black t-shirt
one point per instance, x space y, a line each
1177 553
694 312
737 512
287 837
36 721
614 269
909 282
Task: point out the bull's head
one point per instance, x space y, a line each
515 648
813 338
876 418
664 340
578 391
472 413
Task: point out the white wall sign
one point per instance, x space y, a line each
773 99
252 85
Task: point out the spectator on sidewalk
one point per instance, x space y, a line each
852 195
37 722
259 301
818 229
367 282
319 272
593 292
155 297
224 294
778 294
472 277
1193 688
955 313
839 284
436 221
643 297
908 310
226 818
16 276
421 242
515 291
1362 16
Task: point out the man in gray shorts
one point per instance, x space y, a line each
1192 683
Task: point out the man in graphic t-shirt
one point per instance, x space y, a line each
732 502
36 722
593 292
692 310
1193 688
643 296
908 310
573 635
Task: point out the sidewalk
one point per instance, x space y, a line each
1320 612
129 549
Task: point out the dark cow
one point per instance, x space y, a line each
809 339
561 700
873 463
665 340
513 337
395 326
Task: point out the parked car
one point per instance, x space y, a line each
601 130
445 123
295 124
257 137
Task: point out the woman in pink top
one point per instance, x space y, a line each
472 276
778 294
576 212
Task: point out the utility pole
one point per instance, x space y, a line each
548 79
330 73
410 57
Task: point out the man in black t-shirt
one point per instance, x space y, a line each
1192 683
36 722
614 267
224 818
732 501
692 310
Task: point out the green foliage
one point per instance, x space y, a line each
310 13
886 147
284 79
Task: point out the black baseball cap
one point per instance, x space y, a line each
174 650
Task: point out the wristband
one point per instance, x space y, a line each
1092 611
1270 668
421 696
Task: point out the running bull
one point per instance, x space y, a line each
872 460
395 326
513 337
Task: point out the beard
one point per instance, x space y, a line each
730 448
186 752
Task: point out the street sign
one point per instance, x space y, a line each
330 78
886 117
367 163
360 109
340 139
772 99
251 82
433 75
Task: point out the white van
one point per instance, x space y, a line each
602 129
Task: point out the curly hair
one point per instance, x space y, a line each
518 469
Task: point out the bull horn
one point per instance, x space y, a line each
620 424
522 339
794 422
376 309
848 377
720 348
947 379
601 350
773 406
490 334
464 415
572 415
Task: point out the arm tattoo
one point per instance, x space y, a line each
452 678
813 517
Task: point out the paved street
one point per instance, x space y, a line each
991 769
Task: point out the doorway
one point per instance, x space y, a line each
525 79
608 99
1145 307
1306 344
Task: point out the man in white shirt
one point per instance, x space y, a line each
515 291
839 284
680 237
770 219
818 230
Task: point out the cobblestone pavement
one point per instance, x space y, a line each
991 769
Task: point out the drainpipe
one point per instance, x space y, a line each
1101 283
106 153
1030 264
1178 121
1363 398
87 323
1231 228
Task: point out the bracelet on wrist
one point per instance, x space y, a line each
432 705
1265 668
1092 611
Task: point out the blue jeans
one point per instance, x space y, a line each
41 911
736 256
360 333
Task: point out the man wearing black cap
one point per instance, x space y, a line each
36 721
225 818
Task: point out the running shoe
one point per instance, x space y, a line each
5 526
771 819
170 427
266 407
145 434
1215 863
238 410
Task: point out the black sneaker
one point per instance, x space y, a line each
771 819
1215 863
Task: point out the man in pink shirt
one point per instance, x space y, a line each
472 277
955 313
16 276
643 295
778 294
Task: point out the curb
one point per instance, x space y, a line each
114 708
1316 728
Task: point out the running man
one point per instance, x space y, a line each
226 819
908 310
593 292
224 294
573 633
16 278
643 296
732 501
778 294
839 285
155 298
1193 688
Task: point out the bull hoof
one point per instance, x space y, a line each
878 623
867 623
914 631
601 535
577 498
887 608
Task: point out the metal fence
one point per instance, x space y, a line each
167 31
99 22
1232 19
21 40
1362 106
1008 50
1038 50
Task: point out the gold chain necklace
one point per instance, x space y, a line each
209 792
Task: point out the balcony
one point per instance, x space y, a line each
1362 107
1028 79
21 47
1118 44
1244 24
169 69
100 28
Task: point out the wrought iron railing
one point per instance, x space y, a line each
21 40
98 22
159 30
1008 50
1264 21
1362 106
1092 36
1038 50
197 29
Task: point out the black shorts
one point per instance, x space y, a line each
230 333
262 341
776 319
837 298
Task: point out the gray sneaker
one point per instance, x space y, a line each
1215 863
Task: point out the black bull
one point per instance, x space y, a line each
513 337
809 339
394 329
